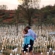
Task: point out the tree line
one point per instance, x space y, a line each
43 16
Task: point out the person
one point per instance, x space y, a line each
31 32
28 40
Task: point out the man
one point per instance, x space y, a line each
31 32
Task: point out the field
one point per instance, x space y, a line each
10 40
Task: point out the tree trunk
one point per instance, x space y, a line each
17 29
41 26
29 21
17 26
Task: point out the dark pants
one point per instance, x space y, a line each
30 48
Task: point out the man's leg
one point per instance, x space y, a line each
30 51
31 48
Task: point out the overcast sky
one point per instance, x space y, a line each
12 4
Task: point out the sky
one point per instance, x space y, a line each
12 4
47 2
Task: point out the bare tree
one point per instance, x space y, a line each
27 9
33 4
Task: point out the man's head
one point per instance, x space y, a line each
27 27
